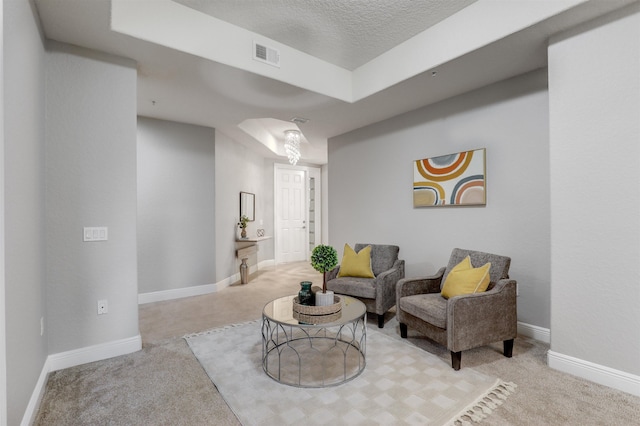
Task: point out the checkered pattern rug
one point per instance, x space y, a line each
401 384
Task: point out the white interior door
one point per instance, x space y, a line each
291 215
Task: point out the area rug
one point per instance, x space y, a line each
401 384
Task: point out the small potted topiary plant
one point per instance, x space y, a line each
323 259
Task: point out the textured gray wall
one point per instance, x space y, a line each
24 200
176 205
595 169
370 185
91 181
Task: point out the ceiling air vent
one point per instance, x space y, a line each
265 54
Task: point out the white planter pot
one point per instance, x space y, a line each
324 299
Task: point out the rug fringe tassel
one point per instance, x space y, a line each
484 405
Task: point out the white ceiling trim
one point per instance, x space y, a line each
270 132
476 26
216 83
179 27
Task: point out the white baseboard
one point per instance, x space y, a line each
265 263
534 332
601 374
94 353
178 293
72 358
88 354
32 408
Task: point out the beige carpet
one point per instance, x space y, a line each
163 384
401 384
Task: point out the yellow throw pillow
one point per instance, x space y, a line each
462 266
356 264
465 279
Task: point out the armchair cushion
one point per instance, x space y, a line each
465 279
354 286
431 307
356 264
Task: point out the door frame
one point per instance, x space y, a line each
310 172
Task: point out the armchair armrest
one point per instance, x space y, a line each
391 276
482 318
419 285
385 284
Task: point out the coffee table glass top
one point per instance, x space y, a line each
281 311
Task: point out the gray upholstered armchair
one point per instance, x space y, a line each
379 293
466 321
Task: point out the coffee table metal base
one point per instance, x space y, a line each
313 356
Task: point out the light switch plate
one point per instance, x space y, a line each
95 233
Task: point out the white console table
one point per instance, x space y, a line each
245 247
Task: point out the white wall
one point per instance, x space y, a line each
594 86
238 169
370 185
176 205
324 177
91 181
24 201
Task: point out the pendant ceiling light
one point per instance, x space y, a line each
292 145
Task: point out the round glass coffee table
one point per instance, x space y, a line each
313 355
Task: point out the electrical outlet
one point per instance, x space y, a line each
103 307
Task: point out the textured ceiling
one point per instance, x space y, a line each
344 33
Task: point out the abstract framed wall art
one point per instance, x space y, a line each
450 180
